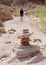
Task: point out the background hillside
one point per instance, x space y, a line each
21 2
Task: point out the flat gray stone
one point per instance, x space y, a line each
24 51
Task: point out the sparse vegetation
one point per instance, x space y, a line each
39 11
10 9
40 25
43 25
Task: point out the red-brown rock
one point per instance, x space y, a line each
4 15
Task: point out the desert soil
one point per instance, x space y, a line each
9 41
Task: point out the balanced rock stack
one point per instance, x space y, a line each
26 49
25 37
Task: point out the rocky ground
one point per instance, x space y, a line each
9 42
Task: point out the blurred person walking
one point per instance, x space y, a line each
21 13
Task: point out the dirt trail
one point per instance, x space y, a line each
9 42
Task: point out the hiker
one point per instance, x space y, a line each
21 13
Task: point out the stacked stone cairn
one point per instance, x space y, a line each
25 38
26 49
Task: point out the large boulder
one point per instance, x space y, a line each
24 51
4 15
